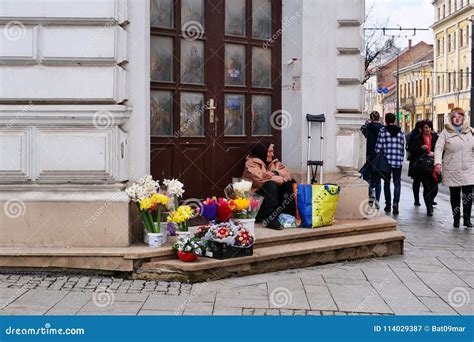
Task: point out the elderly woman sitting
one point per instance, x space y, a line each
272 180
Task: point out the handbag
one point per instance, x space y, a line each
424 165
380 163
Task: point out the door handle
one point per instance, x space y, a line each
211 106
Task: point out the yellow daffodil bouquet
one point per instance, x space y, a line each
151 210
181 216
144 193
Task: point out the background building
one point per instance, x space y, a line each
387 73
416 92
452 65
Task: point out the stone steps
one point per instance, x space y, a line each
273 250
270 258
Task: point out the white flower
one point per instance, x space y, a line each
174 187
242 187
145 187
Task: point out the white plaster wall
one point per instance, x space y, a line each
66 92
327 41
138 88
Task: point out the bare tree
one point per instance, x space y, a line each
379 47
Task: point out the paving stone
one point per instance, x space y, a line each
223 301
313 313
287 295
360 298
164 302
272 312
320 298
70 304
228 312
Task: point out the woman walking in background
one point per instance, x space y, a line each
454 159
409 147
422 149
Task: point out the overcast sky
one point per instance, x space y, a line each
405 13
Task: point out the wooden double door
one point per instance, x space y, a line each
215 88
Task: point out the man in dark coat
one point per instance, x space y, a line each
370 130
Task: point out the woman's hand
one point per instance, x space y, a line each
431 154
268 175
287 178
437 169
424 147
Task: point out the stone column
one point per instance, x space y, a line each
350 143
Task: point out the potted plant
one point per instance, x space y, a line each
152 210
188 249
180 217
151 206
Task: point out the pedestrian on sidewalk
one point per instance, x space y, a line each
410 139
391 141
454 159
371 130
422 159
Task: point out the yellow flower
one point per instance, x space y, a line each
160 199
186 211
241 204
146 204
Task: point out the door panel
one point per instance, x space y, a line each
215 81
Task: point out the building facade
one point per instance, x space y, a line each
416 86
387 73
96 94
452 66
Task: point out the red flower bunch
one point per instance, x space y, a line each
244 238
201 231
222 232
224 209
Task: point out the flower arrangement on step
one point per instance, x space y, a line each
188 249
225 209
180 217
245 210
175 190
152 205
209 208
227 240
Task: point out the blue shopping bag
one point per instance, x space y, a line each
304 196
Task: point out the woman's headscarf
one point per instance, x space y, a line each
260 150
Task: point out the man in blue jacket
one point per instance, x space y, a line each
391 141
371 131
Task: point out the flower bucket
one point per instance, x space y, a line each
187 256
155 239
248 224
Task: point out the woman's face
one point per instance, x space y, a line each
457 119
426 129
270 153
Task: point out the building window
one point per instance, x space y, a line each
440 122
461 37
461 79
428 87
468 78
438 85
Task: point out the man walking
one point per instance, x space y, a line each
371 131
391 142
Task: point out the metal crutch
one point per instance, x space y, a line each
312 165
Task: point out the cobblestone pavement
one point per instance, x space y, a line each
435 276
